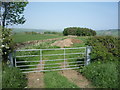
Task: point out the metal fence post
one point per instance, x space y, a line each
88 51
41 58
64 58
15 58
11 59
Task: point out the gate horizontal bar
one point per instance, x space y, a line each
49 60
49 49
26 61
28 50
64 48
28 56
50 67
48 55
46 64
63 59
62 54
51 70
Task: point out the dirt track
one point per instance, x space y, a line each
76 78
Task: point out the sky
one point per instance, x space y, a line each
59 15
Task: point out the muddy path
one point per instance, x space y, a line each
76 78
36 79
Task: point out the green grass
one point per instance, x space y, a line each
102 75
22 37
13 78
55 80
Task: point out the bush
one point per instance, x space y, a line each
103 75
13 78
79 31
104 48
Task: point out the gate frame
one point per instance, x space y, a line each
13 62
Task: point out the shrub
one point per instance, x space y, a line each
104 48
13 78
78 31
103 75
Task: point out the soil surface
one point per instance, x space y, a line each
23 44
36 79
76 78
66 42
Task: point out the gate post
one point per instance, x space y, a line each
11 59
88 51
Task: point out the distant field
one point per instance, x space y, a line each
22 37
107 32
18 30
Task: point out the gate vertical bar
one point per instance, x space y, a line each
41 58
64 58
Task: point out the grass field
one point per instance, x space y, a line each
22 37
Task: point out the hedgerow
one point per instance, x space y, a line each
104 48
103 71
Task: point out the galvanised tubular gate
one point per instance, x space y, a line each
41 61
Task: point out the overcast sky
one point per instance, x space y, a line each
58 15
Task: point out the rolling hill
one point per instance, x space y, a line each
110 32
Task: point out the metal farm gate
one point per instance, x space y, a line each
40 60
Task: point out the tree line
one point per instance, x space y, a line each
78 31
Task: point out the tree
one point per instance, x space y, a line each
78 31
12 13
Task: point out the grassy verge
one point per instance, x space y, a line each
55 80
102 75
13 78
